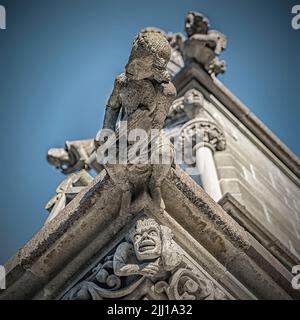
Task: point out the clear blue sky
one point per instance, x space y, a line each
58 61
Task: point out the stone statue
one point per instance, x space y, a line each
142 97
148 251
147 265
67 191
76 155
202 45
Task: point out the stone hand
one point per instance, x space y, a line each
130 269
151 269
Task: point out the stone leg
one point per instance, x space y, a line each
159 172
119 175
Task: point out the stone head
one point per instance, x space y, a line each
149 57
58 157
196 23
146 239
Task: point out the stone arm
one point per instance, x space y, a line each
165 97
126 264
122 263
113 106
214 39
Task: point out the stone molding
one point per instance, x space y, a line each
48 263
194 72
248 221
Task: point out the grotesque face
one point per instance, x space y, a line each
140 68
196 23
189 24
147 240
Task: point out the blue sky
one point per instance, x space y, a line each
58 61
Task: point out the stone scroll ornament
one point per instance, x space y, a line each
146 265
142 98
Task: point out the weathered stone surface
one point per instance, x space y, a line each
91 224
202 45
147 264
192 77
144 93
114 239
67 191
76 155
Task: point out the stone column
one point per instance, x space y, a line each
206 138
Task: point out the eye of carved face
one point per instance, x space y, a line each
147 243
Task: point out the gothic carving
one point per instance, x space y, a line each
67 191
202 45
202 131
143 96
147 265
190 105
76 155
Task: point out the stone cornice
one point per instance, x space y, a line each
248 221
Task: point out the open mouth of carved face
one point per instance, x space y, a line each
147 245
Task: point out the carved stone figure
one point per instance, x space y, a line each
147 265
202 45
76 155
190 106
148 251
142 96
67 191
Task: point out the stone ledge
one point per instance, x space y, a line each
91 221
225 239
247 220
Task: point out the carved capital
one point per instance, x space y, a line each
202 132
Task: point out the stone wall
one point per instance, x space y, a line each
251 173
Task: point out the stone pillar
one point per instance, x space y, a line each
205 138
207 170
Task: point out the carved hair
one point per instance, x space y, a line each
144 222
153 42
169 254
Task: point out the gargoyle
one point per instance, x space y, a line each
142 96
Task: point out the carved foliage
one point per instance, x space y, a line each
147 265
203 131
